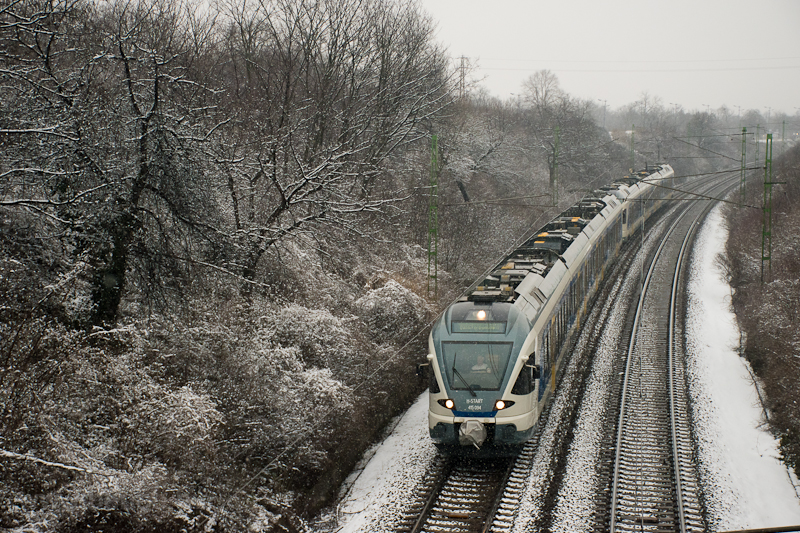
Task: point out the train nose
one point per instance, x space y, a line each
472 432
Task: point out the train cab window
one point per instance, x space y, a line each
476 365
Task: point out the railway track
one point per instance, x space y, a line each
655 486
644 489
462 495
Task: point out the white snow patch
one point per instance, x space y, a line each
746 485
386 484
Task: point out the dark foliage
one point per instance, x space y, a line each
768 311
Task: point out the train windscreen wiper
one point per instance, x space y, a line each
457 373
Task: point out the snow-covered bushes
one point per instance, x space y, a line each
92 434
274 404
768 312
324 341
393 314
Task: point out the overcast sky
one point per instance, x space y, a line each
694 53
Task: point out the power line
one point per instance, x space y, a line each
628 61
496 201
492 200
707 149
648 71
703 196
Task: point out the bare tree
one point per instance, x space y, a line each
543 92
324 93
561 130
108 98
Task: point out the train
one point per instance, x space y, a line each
494 355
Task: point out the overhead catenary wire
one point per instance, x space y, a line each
706 149
647 71
703 196
496 201
493 200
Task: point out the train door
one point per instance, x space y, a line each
554 346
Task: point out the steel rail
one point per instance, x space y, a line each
450 480
670 362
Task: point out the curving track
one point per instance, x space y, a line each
655 486
647 490
642 476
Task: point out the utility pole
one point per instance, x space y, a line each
783 137
633 130
675 115
758 134
462 78
742 179
554 177
766 213
604 112
433 220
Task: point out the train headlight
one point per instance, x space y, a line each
499 405
448 403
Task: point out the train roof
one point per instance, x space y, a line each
530 274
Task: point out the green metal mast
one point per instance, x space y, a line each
742 179
433 219
633 130
758 134
766 218
783 138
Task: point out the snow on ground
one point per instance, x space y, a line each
386 484
746 485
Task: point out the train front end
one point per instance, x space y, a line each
475 365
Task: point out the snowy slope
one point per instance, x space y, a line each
746 485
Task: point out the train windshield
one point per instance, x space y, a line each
476 365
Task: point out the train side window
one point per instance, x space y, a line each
543 344
433 384
558 338
524 383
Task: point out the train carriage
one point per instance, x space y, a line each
494 356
